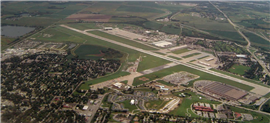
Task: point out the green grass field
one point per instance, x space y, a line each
138 9
146 89
155 104
232 35
122 40
239 69
181 51
175 57
239 77
89 52
83 26
190 55
203 76
165 83
256 40
185 105
128 105
203 23
149 61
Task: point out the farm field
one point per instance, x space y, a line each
138 9
149 61
122 40
89 52
203 76
232 35
181 51
202 23
239 69
256 40
90 17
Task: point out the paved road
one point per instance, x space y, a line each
258 89
263 104
248 45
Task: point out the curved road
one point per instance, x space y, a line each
248 45
258 89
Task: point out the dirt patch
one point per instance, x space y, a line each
90 17
143 78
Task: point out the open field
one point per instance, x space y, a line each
138 9
146 89
256 40
190 55
156 104
83 26
267 95
202 23
203 76
122 40
149 61
233 35
239 77
128 105
239 69
5 41
165 83
175 57
180 51
90 17
89 52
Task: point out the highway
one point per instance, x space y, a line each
258 89
248 45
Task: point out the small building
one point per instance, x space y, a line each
85 107
132 102
118 84
241 56
108 28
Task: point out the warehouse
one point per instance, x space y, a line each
162 43
221 90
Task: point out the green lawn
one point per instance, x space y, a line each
83 26
256 40
239 69
190 55
175 57
203 57
165 83
239 77
146 89
267 95
89 52
181 51
149 61
203 76
182 109
128 105
122 40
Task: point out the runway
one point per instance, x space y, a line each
258 89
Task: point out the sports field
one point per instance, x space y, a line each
203 76
239 69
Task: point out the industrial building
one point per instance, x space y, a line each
162 43
219 90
